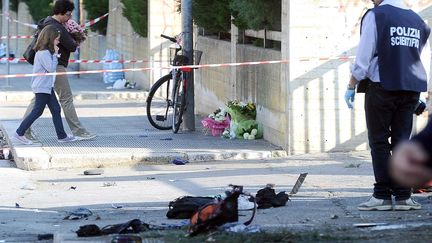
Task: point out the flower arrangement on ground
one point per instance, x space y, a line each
78 33
243 124
217 122
240 111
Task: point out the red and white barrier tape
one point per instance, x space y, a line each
94 21
17 37
32 36
344 58
34 26
16 60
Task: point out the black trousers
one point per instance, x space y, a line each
389 119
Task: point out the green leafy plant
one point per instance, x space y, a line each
256 14
240 111
213 15
136 12
96 9
39 9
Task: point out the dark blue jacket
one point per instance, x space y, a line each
402 35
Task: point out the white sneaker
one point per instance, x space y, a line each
67 139
22 139
405 205
85 136
244 203
375 204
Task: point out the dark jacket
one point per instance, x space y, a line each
67 43
425 139
401 36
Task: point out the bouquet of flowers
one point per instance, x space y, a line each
240 111
77 32
243 124
217 122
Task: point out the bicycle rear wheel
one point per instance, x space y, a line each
160 105
179 103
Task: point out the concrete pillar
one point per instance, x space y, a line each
285 75
233 70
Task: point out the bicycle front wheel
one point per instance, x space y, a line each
160 104
179 103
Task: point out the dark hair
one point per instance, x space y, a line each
63 6
45 40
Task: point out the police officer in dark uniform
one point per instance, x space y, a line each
392 39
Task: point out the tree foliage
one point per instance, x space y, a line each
213 15
256 14
39 9
136 11
96 9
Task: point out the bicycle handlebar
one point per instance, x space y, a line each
169 38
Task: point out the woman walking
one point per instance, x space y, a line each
45 62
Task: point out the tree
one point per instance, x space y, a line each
96 9
136 11
213 15
39 9
256 14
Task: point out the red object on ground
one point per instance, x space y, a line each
425 188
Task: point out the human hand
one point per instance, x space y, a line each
56 49
349 97
408 165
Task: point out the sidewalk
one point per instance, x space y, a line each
125 136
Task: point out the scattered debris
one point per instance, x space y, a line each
334 216
108 184
185 207
245 203
151 178
79 214
240 228
72 188
94 172
267 198
179 161
353 166
133 226
45 236
218 213
166 139
126 238
17 205
365 225
28 187
116 206
298 183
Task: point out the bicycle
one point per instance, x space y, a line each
171 89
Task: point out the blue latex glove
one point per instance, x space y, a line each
349 97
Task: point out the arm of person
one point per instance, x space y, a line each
424 138
366 49
67 41
411 163
48 61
